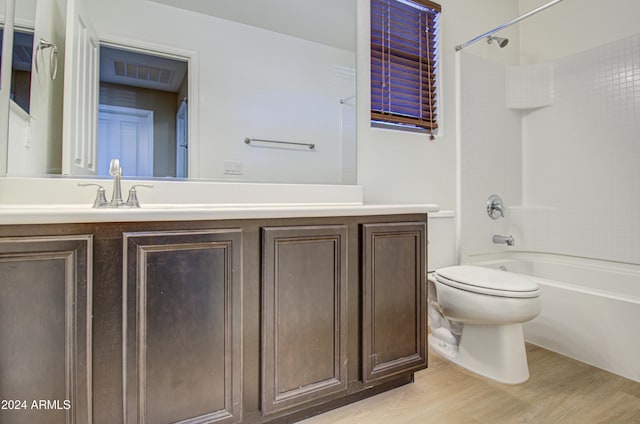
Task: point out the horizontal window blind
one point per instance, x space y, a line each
404 62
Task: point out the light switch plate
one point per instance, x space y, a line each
233 167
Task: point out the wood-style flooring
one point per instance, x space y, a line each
559 390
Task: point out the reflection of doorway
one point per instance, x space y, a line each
142 80
127 134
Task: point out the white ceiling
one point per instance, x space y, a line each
330 22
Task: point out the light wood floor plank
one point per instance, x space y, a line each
559 391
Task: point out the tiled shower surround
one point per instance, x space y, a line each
560 141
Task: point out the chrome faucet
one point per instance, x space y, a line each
116 171
116 197
508 240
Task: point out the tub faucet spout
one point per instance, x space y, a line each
498 239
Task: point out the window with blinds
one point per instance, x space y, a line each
404 60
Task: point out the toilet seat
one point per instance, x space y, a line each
487 281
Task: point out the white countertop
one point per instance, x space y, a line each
65 214
62 201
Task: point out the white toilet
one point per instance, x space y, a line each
476 316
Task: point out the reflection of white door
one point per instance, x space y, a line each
81 67
125 134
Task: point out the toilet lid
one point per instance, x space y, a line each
487 281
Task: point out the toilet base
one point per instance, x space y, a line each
493 351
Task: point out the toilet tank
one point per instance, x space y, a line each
441 236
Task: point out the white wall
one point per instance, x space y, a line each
397 166
573 26
245 91
406 167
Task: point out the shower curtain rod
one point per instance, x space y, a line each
508 24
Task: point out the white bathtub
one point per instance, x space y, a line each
590 308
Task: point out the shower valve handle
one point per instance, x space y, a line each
495 207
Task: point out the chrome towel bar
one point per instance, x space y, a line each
248 140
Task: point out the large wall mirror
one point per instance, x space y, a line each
231 90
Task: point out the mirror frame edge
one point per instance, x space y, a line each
5 83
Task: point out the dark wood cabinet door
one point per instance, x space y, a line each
304 315
394 299
182 329
45 329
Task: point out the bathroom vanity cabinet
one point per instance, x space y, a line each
304 315
210 321
183 314
45 316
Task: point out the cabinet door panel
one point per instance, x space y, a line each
304 315
45 329
182 334
394 299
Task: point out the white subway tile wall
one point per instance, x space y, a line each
529 86
580 166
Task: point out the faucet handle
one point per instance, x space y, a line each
495 204
133 195
101 197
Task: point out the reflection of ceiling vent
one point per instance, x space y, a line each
143 72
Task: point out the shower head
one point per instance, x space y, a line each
501 41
